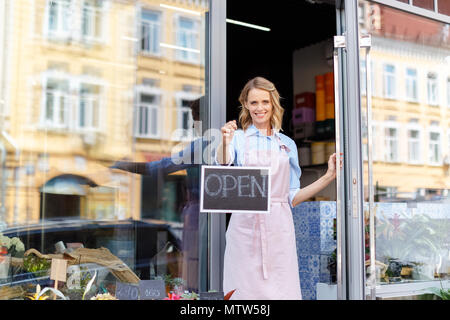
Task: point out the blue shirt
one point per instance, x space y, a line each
258 141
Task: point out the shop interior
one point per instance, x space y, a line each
292 55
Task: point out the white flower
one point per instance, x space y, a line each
5 241
17 244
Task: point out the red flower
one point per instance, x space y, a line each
173 296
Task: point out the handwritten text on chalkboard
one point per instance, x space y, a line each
235 189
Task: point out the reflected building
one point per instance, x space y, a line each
410 63
86 83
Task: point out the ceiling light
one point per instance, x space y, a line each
179 9
178 47
249 25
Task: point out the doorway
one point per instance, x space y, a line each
60 206
292 53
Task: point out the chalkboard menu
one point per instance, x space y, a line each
144 290
211 296
235 189
152 289
127 291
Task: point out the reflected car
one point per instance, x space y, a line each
149 248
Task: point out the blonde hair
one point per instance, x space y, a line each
245 118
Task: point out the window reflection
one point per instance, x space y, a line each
99 82
409 100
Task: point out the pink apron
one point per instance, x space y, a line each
260 255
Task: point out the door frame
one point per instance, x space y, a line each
353 286
216 67
350 250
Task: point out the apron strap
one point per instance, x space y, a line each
260 219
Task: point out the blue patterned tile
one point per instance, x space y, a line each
303 263
303 246
313 223
314 264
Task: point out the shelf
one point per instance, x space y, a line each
314 166
312 139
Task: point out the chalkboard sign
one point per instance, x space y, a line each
235 189
211 296
127 291
152 289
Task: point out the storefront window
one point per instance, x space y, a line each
410 212
97 94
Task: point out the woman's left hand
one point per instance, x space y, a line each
331 172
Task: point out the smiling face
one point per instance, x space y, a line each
260 107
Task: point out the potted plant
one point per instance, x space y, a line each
4 263
404 241
9 247
172 284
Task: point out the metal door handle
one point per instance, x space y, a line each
366 43
339 42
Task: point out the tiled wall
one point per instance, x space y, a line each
313 223
314 233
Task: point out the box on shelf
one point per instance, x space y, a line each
304 155
302 115
320 128
320 98
318 152
305 99
330 148
328 127
304 130
329 95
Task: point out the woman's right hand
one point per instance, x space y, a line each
228 131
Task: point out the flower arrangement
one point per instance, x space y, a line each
35 264
172 296
104 296
14 246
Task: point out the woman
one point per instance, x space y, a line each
260 256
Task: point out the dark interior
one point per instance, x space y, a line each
294 24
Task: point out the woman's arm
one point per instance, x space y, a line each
223 155
310 190
318 185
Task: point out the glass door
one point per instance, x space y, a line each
102 135
405 130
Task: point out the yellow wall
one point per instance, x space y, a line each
118 64
403 175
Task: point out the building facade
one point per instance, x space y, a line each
109 109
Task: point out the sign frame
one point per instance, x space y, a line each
151 284
129 286
269 173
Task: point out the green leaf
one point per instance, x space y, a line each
89 285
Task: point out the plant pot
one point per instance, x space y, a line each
423 272
394 269
5 262
406 271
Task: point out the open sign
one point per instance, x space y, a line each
235 189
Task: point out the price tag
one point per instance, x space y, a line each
58 270
211 296
152 289
127 291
